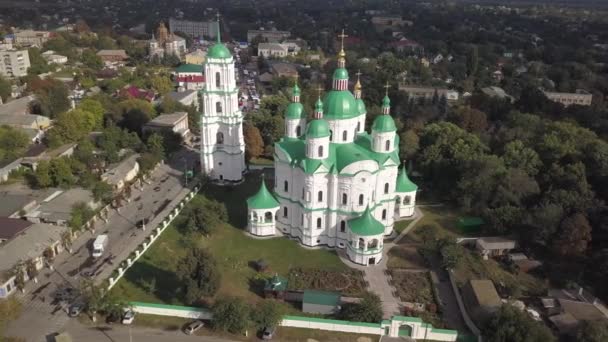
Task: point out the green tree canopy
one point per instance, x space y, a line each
267 314
199 274
509 324
369 309
231 314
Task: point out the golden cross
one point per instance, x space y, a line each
342 36
358 74
387 86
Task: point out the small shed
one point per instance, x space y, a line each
494 246
320 302
481 298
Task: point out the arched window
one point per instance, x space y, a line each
344 199
219 138
383 214
285 186
407 200
298 131
398 200
331 135
302 219
217 80
319 223
303 193
387 145
358 126
361 243
284 211
218 107
320 196
320 151
255 216
386 188
342 226
361 199
344 136
373 244
268 216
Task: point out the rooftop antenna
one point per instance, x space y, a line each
219 35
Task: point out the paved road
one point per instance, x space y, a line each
40 316
117 332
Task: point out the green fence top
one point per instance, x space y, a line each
170 307
331 321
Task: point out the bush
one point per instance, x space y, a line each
230 314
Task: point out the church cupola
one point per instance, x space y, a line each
340 77
317 134
384 129
295 119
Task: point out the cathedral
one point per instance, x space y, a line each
167 43
335 184
222 145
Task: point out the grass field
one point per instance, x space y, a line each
153 279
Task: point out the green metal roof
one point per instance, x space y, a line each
384 123
339 104
386 102
189 68
317 128
340 74
219 50
296 90
361 106
366 224
321 298
295 110
276 283
404 184
340 155
263 199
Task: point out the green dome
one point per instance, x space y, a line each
340 104
219 50
366 225
384 123
386 102
317 128
361 106
404 184
263 199
295 111
296 90
340 74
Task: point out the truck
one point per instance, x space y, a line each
99 245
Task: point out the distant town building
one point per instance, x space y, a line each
31 38
270 36
51 57
497 92
56 208
404 45
113 56
277 49
194 28
18 106
427 93
186 97
195 57
494 246
14 63
280 69
383 22
131 91
580 97
190 77
122 173
166 44
174 122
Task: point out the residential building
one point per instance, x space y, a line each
281 69
222 143
405 45
122 173
57 208
15 203
415 92
113 56
383 22
54 58
335 185
131 91
195 57
14 63
11 227
195 29
185 97
574 312
321 302
269 36
272 50
20 106
497 92
494 246
31 38
29 244
174 122
480 298
26 121
580 97
190 77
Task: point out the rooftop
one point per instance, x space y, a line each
180 95
321 298
496 243
19 106
58 206
9 227
24 120
485 293
15 200
29 244
272 46
189 68
167 120
581 310
118 173
122 53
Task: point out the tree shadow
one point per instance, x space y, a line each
257 286
167 288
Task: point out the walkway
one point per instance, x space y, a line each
377 276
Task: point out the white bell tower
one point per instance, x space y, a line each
222 142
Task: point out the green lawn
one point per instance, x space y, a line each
261 161
401 225
234 251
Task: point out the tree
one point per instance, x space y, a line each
161 84
267 314
230 314
32 270
10 309
133 114
408 144
52 98
509 324
517 155
81 213
91 59
199 273
5 89
42 174
472 60
155 145
254 145
369 309
18 272
94 107
76 124
61 172
13 143
470 119
592 331
451 253
574 236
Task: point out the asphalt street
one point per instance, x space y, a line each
41 315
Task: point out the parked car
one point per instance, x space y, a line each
268 333
193 327
113 318
128 317
76 309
